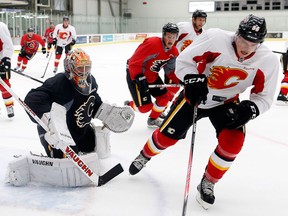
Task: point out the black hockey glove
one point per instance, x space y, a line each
43 50
241 114
6 63
54 41
195 88
73 42
142 84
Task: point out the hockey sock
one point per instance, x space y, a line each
229 145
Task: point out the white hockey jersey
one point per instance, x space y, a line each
213 54
6 45
186 36
63 35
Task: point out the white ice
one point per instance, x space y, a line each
256 184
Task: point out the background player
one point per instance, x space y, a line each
215 69
6 52
48 37
29 47
64 37
283 95
143 69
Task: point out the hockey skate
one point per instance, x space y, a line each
17 68
154 123
21 70
47 55
55 70
282 98
138 164
10 111
162 116
205 195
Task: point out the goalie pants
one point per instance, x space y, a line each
180 119
84 143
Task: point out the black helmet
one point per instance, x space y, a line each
65 18
30 29
52 23
199 13
170 27
252 28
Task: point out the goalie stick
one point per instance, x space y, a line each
70 153
164 85
25 75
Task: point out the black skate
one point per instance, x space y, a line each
154 123
205 196
282 98
10 111
138 164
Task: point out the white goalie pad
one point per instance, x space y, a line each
50 171
116 119
102 142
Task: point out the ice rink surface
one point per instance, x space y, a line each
256 184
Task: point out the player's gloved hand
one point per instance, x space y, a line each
241 114
44 39
6 62
44 50
54 41
195 88
142 83
73 42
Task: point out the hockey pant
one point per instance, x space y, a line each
178 122
142 101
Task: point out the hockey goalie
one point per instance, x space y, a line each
67 103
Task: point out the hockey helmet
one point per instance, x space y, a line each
65 18
30 29
77 65
252 28
170 27
199 13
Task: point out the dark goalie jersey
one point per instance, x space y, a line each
81 108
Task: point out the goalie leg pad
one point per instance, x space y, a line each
102 139
50 171
116 119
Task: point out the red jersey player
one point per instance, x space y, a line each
6 52
283 94
143 69
48 37
29 46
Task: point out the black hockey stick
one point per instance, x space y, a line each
187 186
47 64
25 75
68 151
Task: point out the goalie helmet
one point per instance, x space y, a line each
170 27
252 28
199 13
77 65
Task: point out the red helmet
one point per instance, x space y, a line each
77 65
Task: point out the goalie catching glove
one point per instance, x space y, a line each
58 135
116 119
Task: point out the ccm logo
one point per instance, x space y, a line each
194 80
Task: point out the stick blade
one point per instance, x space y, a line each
110 174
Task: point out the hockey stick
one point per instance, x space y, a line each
25 75
68 151
164 85
187 186
47 64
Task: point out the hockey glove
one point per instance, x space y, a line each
241 114
195 88
44 50
141 83
6 63
54 41
73 42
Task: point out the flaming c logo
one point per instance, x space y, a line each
31 44
225 77
63 35
185 44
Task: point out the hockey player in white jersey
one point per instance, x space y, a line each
188 31
6 52
215 69
64 37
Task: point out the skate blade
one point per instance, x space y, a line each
204 204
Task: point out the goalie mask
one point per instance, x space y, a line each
77 65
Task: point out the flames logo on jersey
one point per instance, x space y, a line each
225 77
63 35
158 64
84 113
186 43
31 45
